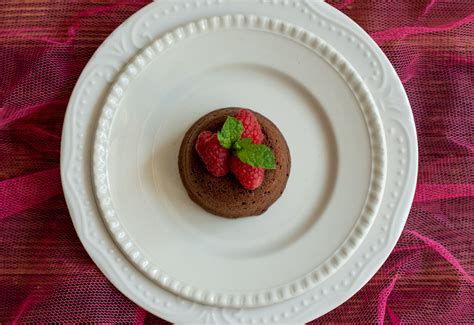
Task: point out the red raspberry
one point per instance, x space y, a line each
251 126
214 156
250 177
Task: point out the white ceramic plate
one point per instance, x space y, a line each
333 130
329 89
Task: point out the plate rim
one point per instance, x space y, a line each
100 249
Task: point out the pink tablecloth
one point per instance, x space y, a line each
45 274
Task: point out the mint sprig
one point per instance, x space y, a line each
231 132
255 155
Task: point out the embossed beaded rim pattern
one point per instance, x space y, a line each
273 295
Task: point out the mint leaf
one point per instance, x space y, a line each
231 132
255 155
245 142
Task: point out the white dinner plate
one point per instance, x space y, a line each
319 78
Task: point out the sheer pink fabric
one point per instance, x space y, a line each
45 274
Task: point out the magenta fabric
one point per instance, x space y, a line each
46 275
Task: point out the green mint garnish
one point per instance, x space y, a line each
231 132
241 144
255 155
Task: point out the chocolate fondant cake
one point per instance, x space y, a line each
224 196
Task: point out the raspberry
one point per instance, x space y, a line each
214 156
251 126
250 177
